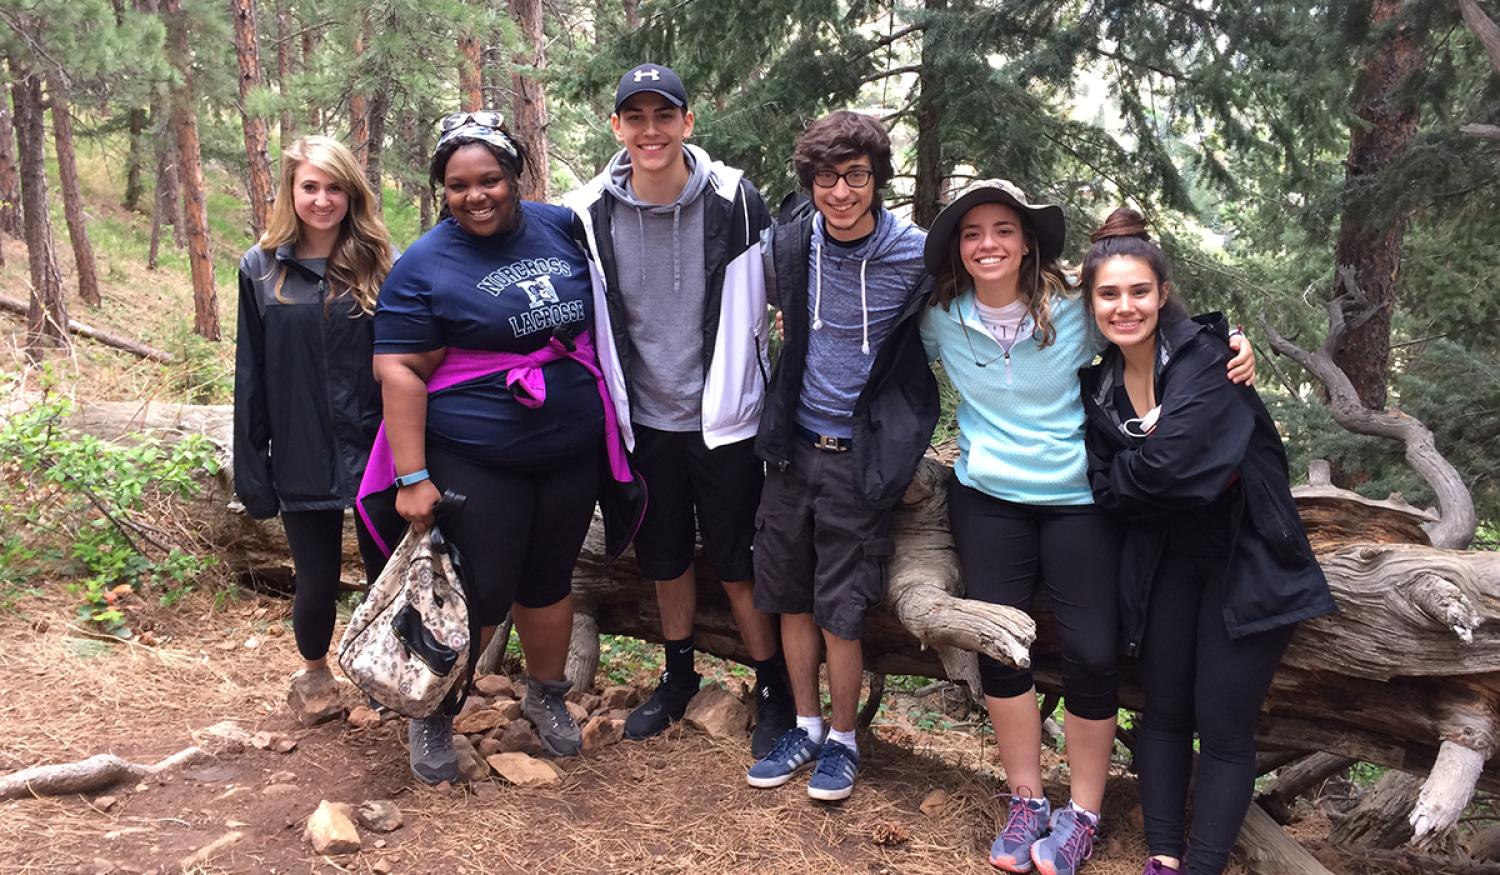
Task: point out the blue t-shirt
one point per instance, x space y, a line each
505 293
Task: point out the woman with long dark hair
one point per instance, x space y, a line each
303 390
1216 568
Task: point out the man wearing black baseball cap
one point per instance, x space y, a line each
682 334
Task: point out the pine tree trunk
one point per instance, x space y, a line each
247 48
134 158
185 124
470 86
926 200
376 112
310 38
359 111
10 177
632 13
1386 123
47 317
284 61
529 108
67 178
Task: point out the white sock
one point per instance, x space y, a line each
1093 816
844 738
815 728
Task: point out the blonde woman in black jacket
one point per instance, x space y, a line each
306 404
1216 569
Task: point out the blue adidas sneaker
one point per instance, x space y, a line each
833 779
793 752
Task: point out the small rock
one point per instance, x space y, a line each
618 698
276 631
716 711
379 815
471 766
274 741
495 685
488 746
525 771
363 717
252 643
381 867
510 709
934 803
579 713
601 732
279 789
591 703
331 831
105 803
479 721
314 698
380 843
472 704
282 777
618 714
519 737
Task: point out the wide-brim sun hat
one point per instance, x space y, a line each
1045 221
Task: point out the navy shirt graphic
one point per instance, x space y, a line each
505 293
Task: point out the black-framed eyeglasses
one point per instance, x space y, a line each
488 118
859 177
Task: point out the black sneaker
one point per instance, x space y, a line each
775 715
666 706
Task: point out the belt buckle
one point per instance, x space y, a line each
828 443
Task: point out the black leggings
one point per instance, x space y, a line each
522 527
316 539
1185 630
1003 546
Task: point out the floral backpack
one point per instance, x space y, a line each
411 642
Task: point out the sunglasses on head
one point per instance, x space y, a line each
488 118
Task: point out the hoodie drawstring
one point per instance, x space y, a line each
864 307
864 302
818 296
676 252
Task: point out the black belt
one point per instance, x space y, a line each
825 442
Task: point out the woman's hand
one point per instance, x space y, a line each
415 504
1242 366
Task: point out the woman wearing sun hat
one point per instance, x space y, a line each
1012 338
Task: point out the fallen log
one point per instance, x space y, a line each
108 338
84 776
1406 674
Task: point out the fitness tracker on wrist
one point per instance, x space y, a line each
412 479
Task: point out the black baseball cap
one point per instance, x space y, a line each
653 78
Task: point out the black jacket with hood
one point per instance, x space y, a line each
306 404
1212 436
898 408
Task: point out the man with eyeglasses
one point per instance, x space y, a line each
682 333
849 411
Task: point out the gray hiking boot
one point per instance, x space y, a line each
548 712
430 743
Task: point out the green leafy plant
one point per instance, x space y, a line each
82 508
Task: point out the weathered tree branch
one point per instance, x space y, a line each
134 347
94 773
1485 29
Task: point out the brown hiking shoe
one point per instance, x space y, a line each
314 697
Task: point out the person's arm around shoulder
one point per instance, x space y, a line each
252 421
1201 436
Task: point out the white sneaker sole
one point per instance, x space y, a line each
767 783
830 795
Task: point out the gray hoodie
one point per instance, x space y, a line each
659 258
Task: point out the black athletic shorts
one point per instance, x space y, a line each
685 480
820 547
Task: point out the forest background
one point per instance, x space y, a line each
1288 152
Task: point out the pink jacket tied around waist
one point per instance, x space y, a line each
523 376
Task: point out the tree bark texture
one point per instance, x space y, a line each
470 85
108 338
1386 122
285 54
529 107
257 135
10 175
375 114
138 127
359 109
185 125
47 316
927 197
310 40
72 196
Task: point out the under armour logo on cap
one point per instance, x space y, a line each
652 78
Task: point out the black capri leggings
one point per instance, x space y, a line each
1004 546
521 529
316 539
1196 676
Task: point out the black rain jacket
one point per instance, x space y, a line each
1212 436
898 408
306 404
